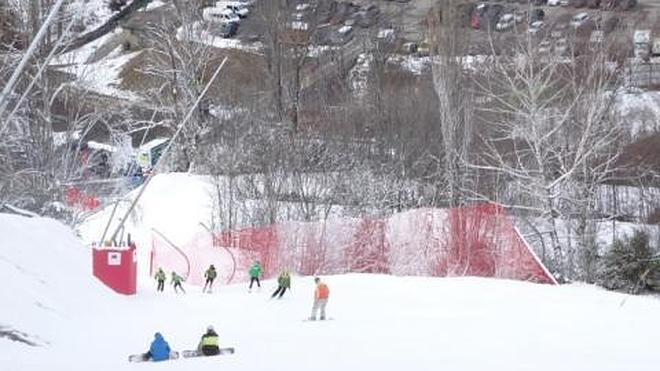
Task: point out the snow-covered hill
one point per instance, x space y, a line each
380 322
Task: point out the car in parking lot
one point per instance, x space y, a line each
229 30
579 19
506 21
535 27
239 8
220 15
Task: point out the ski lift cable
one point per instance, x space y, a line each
166 151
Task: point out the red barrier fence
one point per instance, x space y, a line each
478 240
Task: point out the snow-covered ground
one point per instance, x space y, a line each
380 322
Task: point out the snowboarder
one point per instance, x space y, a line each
320 299
210 275
176 281
160 278
283 282
208 345
159 349
255 273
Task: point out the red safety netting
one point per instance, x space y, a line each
478 240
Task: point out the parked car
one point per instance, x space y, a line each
220 15
229 30
343 35
535 27
553 2
238 7
505 22
537 14
579 19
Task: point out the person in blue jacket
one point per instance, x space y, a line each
159 349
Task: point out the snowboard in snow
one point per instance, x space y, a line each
198 353
140 357
318 320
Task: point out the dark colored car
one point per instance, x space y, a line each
537 14
229 30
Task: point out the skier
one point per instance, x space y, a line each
176 281
320 299
210 275
159 349
160 278
255 273
283 282
208 345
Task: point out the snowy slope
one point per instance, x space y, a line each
380 322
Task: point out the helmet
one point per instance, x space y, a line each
210 328
316 279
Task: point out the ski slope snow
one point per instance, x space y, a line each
380 322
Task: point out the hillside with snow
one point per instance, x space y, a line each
379 322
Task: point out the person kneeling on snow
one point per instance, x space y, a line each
209 343
159 349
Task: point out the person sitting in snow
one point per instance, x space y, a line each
210 276
160 278
255 273
321 295
209 344
283 282
159 349
176 281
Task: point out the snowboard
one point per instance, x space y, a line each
198 353
318 320
140 357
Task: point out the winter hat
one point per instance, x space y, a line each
210 328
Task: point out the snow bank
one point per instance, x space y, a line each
46 278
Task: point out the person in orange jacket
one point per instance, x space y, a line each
321 295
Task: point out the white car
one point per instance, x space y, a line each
239 8
579 19
506 21
535 27
553 2
220 15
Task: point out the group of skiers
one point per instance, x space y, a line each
255 272
176 281
209 343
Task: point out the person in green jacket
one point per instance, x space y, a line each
210 276
283 282
160 278
176 281
255 273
